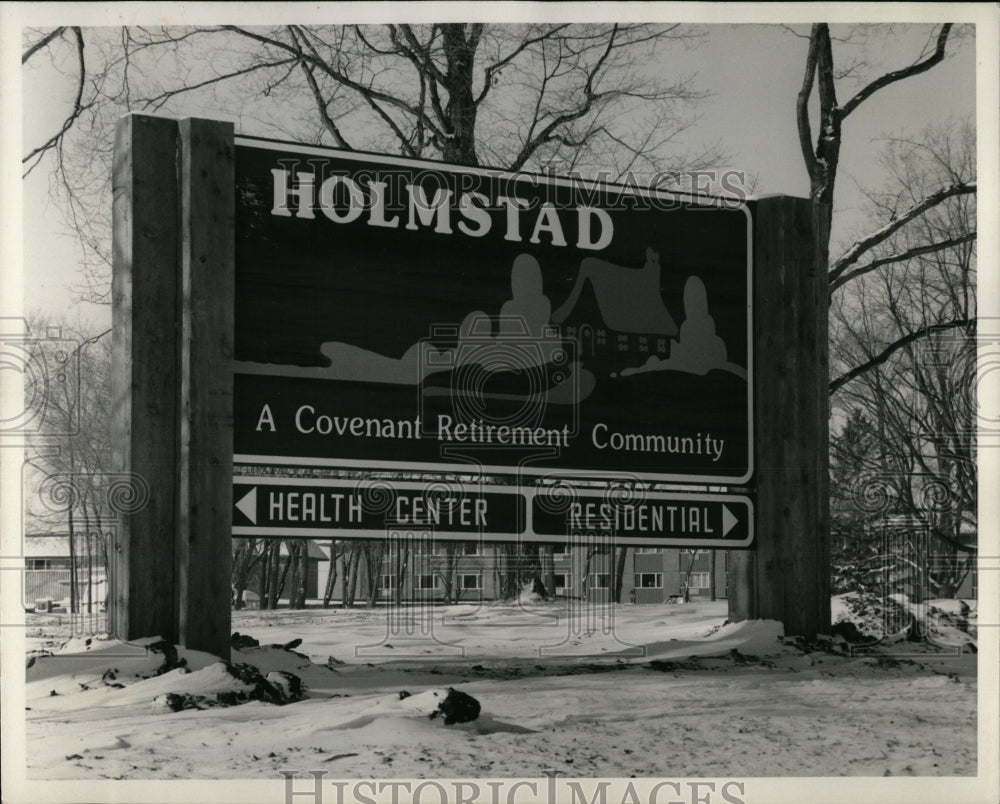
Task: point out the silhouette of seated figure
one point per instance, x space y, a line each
698 349
528 310
522 318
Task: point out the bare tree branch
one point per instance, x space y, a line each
373 96
898 75
916 251
590 96
158 101
894 347
31 51
495 67
802 106
78 108
321 103
418 54
852 255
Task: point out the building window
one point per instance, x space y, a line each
560 582
699 580
641 551
643 343
470 581
560 549
422 548
470 548
602 337
623 343
649 580
661 345
46 563
387 582
599 580
428 582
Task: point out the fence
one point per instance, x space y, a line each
54 585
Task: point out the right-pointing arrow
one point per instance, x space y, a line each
728 520
248 505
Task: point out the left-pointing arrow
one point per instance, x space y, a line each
248 505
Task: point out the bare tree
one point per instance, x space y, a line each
331 578
248 557
444 563
71 395
821 155
821 78
824 78
547 96
904 342
401 572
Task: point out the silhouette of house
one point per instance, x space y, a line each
615 311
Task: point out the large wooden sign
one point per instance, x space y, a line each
413 316
330 317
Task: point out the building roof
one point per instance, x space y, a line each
313 550
56 545
629 299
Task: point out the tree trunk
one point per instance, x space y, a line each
274 575
73 592
331 578
284 578
548 568
711 574
619 575
687 576
351 576
402 562
510 571
264 577
585 575
448 576
345 566
459 146
102 543
302 574
87 559
373 556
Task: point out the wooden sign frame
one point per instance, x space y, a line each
173 330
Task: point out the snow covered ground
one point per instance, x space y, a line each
619 691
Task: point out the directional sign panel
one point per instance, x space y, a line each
306 508
397 315
322 508
652 518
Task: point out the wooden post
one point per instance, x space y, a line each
787 576
144 375
205 460
173 295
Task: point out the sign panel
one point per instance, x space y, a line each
656 519
299 507
413 316
328 508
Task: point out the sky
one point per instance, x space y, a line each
752 72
